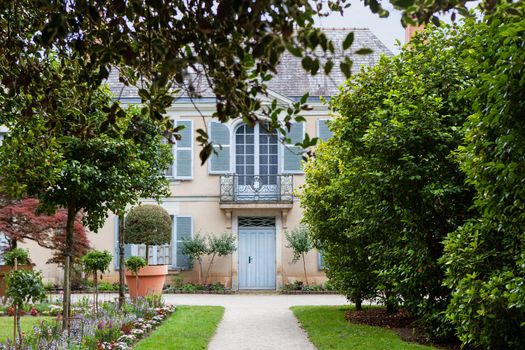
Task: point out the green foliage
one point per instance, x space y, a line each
384 192
21 255
148 224
485 258
25 286
96 261
299 241
195 248
135 263
222 245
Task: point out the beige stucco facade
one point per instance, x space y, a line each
199 198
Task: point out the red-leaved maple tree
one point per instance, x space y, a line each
19 221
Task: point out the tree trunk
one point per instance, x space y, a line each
200 271
17 318
147 254
96 292
304 267
121 281
358 304
15 321
209 268
68 252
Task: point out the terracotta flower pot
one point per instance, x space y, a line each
151 280
4 270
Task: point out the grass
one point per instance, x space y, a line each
189 328
327 328
26 322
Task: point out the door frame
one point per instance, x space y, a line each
255 229
278 244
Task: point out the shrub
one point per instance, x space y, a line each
485 258
94 262
222 245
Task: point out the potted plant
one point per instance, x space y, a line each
94 262
149 225
16 257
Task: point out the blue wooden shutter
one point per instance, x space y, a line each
320 260
293 155
220 136
184 152
127 247
323 132
183 229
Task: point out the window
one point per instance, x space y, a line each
166 254
182 166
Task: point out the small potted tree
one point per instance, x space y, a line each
14 259
149 225
94 262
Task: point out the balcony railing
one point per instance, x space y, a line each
256 188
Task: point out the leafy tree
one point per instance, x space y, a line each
85 164
195 248
148 224
393 190
134 264
485 258
231 47
300 243
22 287
222 245
20 220
94 262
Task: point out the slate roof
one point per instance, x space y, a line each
291 80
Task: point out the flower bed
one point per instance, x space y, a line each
109 328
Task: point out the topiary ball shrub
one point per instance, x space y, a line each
148 224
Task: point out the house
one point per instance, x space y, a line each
247 189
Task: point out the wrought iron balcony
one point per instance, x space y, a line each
256 188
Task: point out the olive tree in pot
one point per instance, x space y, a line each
94 262
149 225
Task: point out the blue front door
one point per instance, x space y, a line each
256 257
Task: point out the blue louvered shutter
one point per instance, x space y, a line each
184 152
323 132
183 230
127 247
293 155
220 159
320 260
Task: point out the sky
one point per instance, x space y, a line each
358 16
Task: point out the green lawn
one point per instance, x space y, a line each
189 328
26 322
327 329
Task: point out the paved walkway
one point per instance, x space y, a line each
258 321
253 321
